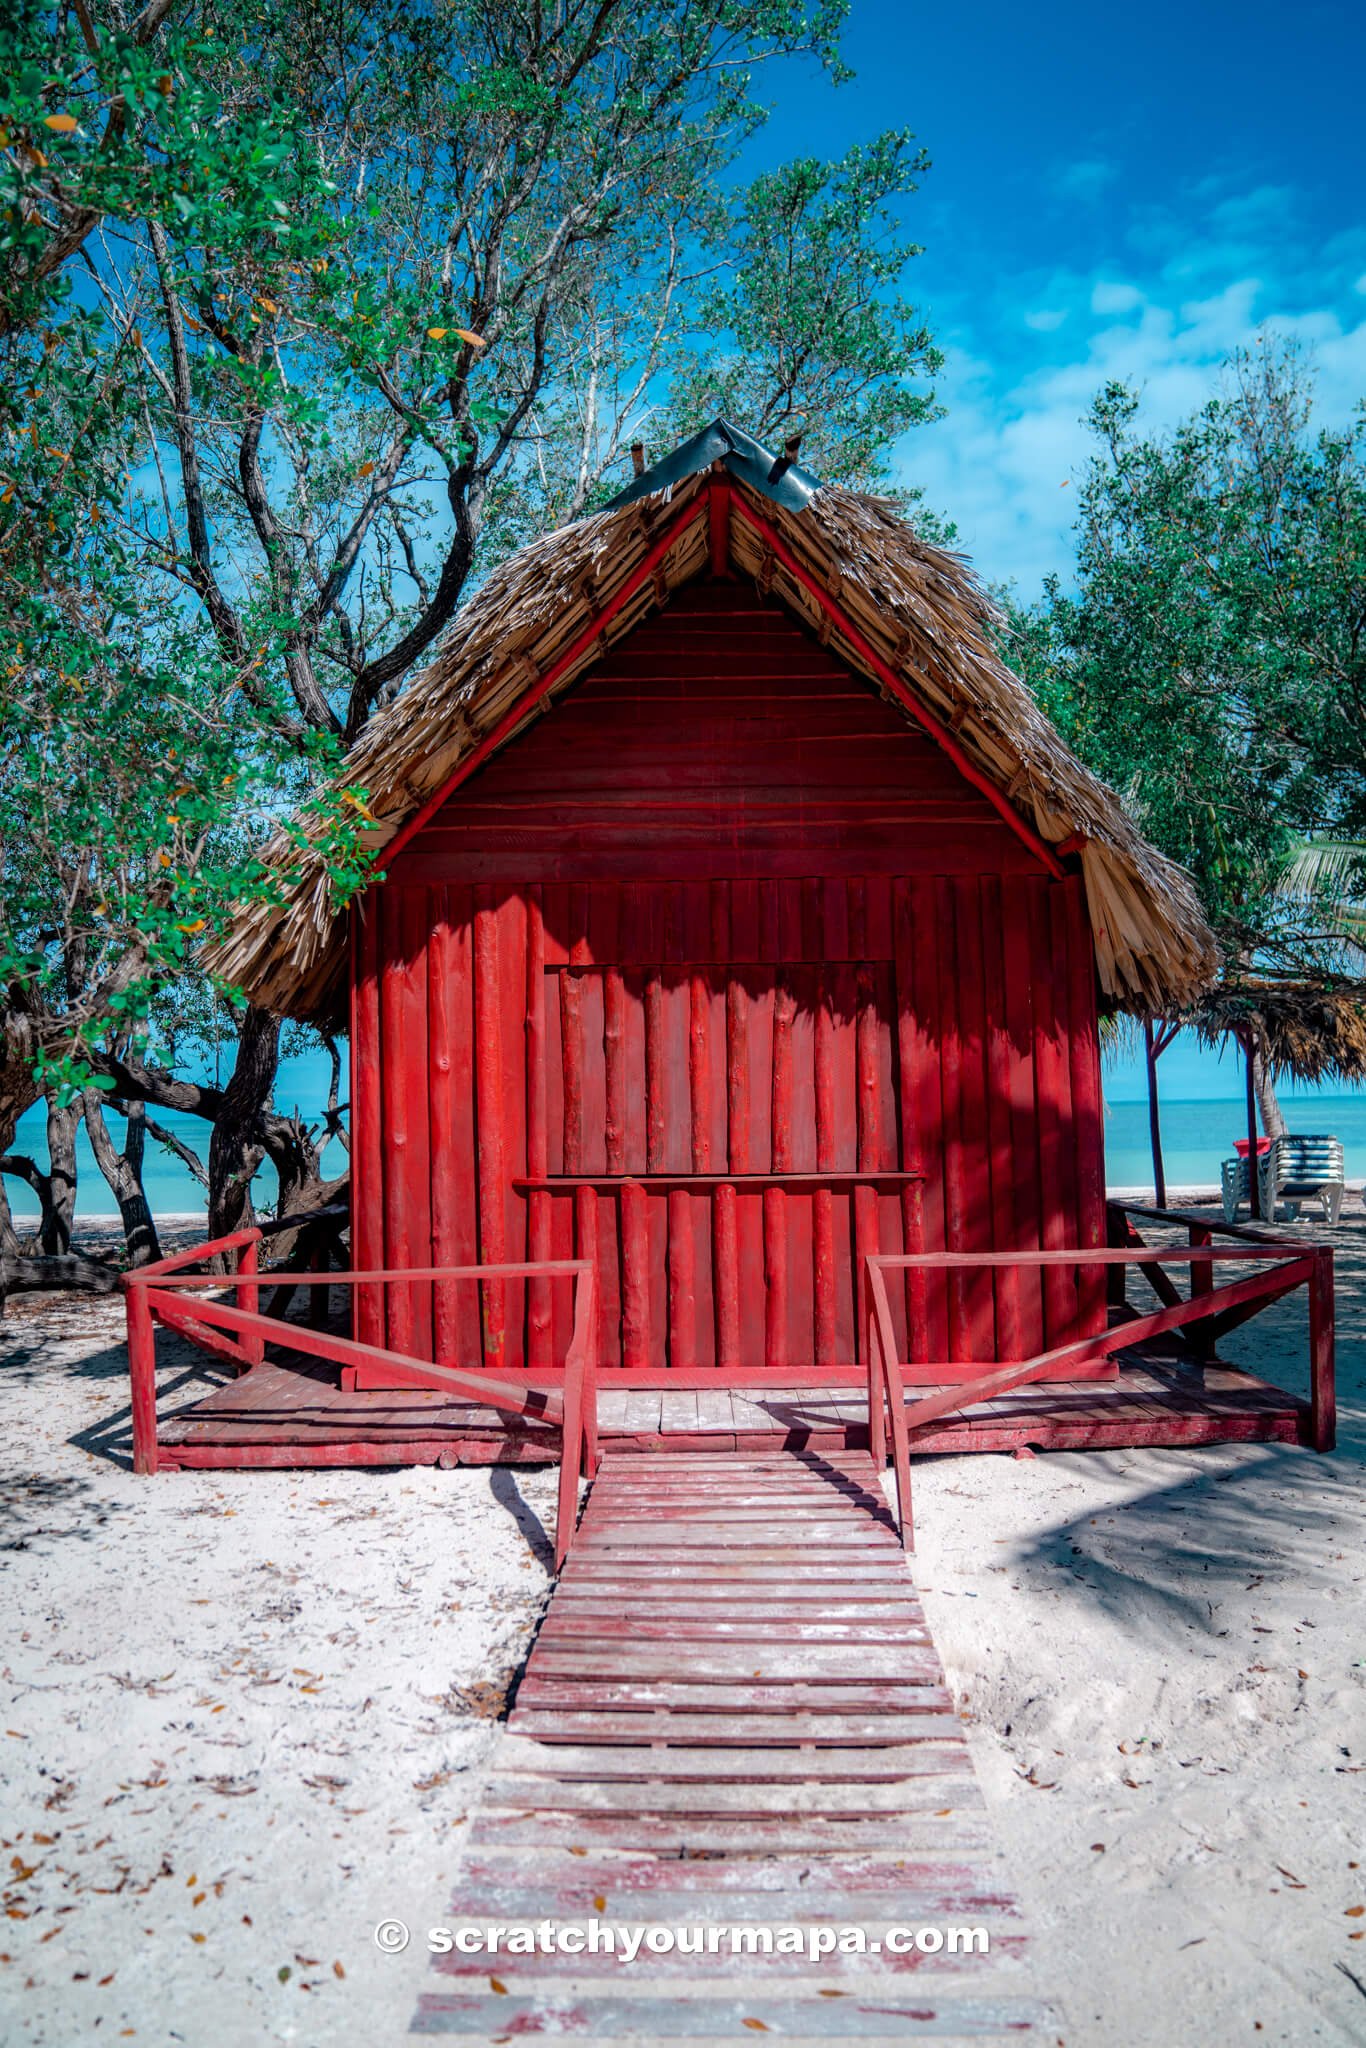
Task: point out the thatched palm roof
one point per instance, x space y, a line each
1309 1030
901 606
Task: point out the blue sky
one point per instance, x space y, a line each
1112 194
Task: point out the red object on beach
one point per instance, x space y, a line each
1240 1146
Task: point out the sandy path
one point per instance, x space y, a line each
243 1714
247 1714
1163 1653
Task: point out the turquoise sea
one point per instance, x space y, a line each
1202 1113
171 1187
1197 1135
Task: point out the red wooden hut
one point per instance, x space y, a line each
739 914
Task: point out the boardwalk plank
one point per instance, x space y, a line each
701 1835
865 1697
768 1663
647 1972
797 1601
748 1730
707 1765
770 1887
637 1628
946 1783
574 2011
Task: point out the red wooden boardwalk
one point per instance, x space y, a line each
734 1714
285 1415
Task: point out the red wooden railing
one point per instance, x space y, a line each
1213 1311
240 1334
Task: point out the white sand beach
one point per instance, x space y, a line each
244 1713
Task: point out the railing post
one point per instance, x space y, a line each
571 1456
1116 1276
1323 1397
249 1299
142 1377
889 1387
1202 1282
590 1383
576 1451
877 1414
901 1457
592 1457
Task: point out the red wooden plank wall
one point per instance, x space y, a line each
723 913
719 738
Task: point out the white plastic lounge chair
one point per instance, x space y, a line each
1236 1187
1298 1169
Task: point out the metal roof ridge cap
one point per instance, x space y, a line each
786 483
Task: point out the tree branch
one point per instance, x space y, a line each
303 680
222 617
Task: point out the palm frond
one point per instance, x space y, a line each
1330 874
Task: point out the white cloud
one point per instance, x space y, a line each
1108 296
1216 325
1017 386
1086 179
1263 211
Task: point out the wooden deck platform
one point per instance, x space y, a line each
734 1715
297 1415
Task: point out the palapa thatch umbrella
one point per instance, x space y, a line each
1310 1029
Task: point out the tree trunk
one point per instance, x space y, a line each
123 1172
56 1189
62 1126
1254 1182
1273 1122
311 1246
69 1273
18 1092
9 1236
28 1170
236 1148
